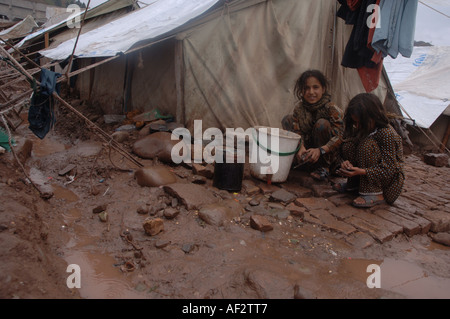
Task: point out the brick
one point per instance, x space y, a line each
344 211
297 189
260 223
330 222
380 235
440 221
424 224
192 196
380 222
341 199
296 210
283 196
360 240
410 227
323 190
313 203
438 160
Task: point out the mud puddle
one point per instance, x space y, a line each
101 276
406 278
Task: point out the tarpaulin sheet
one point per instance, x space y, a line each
158 18
421 83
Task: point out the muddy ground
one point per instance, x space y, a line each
40 237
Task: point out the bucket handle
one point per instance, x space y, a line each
277 153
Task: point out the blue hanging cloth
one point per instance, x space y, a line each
41 114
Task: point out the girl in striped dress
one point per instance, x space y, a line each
372 152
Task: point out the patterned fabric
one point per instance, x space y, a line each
381 155
305 117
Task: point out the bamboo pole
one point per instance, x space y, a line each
102 134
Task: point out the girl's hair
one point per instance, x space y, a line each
366 107
301 81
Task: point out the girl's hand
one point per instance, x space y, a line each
348 170
301 155
312 155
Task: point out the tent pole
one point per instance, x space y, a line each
446 137
179 80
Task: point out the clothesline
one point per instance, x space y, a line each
426 5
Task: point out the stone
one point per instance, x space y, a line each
192 196
144 209
296 210
68 169
187 248
215 214
253 202
162 243
99 209
280 213
171 213
267 284
438 160
154 176
23 149
441 238
156 145
249 187
205 171
197 179
260 223
120 136
153 226
103 216
267 188
282 195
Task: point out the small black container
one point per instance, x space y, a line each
228 175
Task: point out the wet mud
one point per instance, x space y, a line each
189 258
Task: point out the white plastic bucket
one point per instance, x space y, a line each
281 146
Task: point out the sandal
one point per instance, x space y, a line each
320 174
344 188
369 201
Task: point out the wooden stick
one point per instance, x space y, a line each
446 137
107 138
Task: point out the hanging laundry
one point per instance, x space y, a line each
396 34
41 114
356 53
368 45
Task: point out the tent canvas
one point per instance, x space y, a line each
420 83
230 64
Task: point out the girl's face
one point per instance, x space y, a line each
313 90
